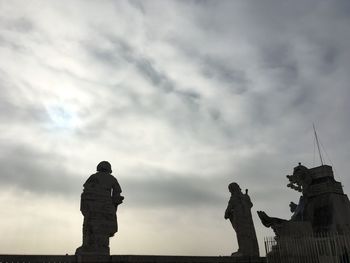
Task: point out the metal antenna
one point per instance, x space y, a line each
318 145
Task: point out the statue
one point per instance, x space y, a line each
99 203
323 210
323 207
239 213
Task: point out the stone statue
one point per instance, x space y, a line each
99 203
323 211
323 207
239 213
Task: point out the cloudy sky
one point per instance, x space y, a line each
182 97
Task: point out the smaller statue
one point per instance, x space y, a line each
239 213
99 203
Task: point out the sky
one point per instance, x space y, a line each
182 98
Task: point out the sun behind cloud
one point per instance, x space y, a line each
62 117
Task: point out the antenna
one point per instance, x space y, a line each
318 145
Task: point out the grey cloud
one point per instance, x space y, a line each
215 68
4 42
271 28
172 105
43 173
21 25
112 58
122 52
20 114
157 78
11 110
138 5
280 58
11 113
182 109
12 30
323 32
329 58
342 8
27 169
161 188
18 110
150 186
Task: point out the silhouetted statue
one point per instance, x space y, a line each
99 203
322 207
239 213
322 213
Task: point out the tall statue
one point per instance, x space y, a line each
99 203
239 213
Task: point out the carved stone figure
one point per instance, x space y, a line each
99 203
321 216
239 213
323 206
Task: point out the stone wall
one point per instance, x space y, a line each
125 259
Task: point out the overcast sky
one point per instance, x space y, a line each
182 97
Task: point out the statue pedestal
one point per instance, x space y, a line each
127 259
93 258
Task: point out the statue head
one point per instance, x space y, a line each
234 188
300 179
104 166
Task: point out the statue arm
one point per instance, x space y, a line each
116 191
228 211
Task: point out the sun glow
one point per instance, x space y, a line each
62 117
